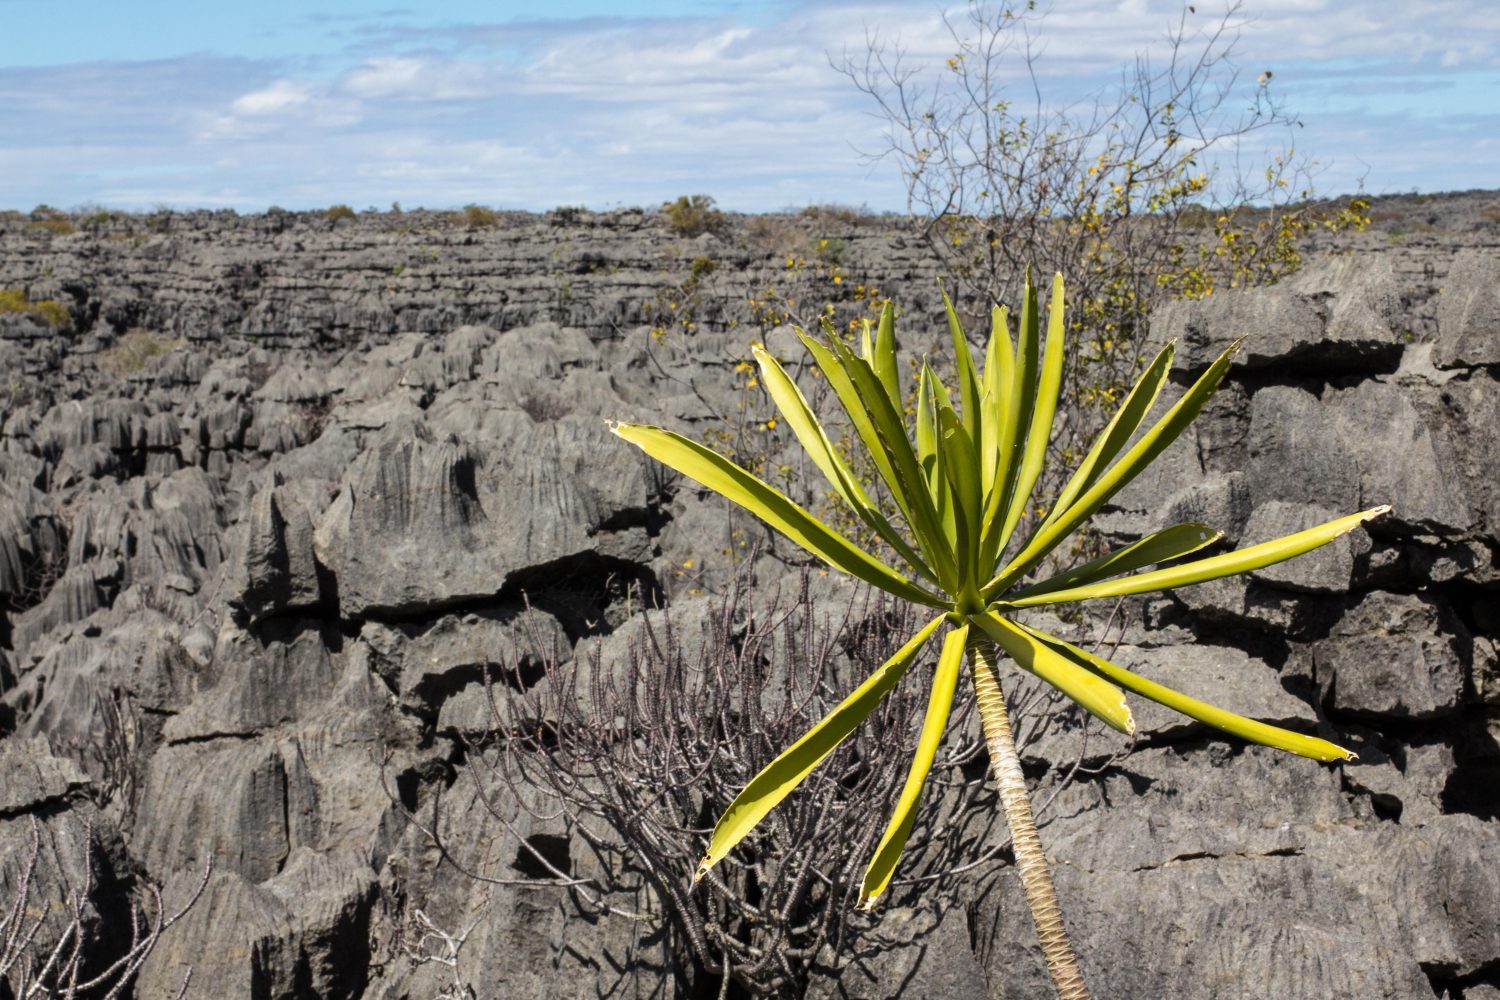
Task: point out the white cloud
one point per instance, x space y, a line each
275 99
641 110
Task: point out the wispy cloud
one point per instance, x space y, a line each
740 104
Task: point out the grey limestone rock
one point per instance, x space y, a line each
914 953
1339 314
34 777
277 571
1469 312
1396 656
303 933
1357 448
284 551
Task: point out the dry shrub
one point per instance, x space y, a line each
132 351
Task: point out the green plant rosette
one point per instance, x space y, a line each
959 479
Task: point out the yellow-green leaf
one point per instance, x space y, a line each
939 704
968 377
1236 725
788 770
1094 693
910 483
1162 546
859 417
1034 455
1141 454
1122 426
1213 568
999 361
707 467
887 369
799 416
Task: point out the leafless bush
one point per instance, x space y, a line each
414 937
106 753
1135 193
545 408
69 969
637 759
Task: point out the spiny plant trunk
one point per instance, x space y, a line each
1036 877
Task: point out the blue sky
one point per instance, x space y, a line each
533 105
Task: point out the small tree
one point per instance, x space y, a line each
693 215
959 481
1137 193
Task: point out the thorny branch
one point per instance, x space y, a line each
70 967
629 756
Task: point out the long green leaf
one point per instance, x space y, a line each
859 417
924 522
927 439
1142 453
1236 725
1098 696
1019 404
939 704
1122 426
1202 570
799 416
1162 546
961 465
1002 409
794 764
886 366
968 377
716 472
1034 455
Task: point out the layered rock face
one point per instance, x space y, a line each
251 586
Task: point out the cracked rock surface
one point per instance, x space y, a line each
251 583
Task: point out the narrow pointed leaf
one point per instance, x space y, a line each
1236 725
1213 568
961 466
891 433
886 366
810 433
1094 693
1044 410
1019 403
1023 381
990 419
1162 546
1121 428
787 771
707 467
968 378
939 704
926 422
1004 404
859 417
1132 463
929 453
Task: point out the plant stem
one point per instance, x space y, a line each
1031 863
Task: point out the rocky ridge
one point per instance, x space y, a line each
252 581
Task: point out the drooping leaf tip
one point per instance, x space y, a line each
702 869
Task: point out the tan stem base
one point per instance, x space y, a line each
1031 863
